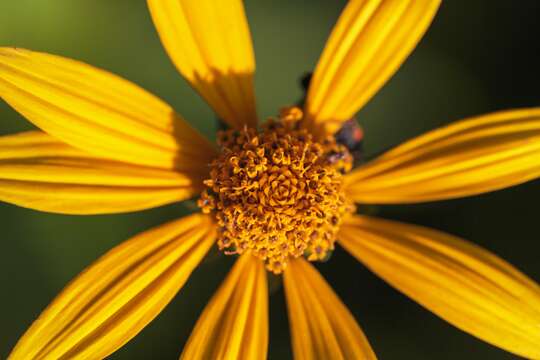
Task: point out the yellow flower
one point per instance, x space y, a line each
276 196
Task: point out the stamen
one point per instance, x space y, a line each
278 193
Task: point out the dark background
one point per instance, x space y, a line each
478 56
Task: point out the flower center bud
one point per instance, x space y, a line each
278 193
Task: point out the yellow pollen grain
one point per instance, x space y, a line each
278 193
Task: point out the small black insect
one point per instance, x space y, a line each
350 134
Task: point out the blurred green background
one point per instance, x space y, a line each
479 56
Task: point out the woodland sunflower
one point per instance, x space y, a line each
278 196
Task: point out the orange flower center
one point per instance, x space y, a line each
278 193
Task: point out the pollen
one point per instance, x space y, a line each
278 193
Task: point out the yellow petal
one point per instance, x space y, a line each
371 39
99 112
321 326
234 324
460 282
117 296
469 157
39 172
210 44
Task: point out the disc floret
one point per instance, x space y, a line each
278 193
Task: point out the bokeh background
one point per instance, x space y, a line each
478 56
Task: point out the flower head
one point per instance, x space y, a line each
275 196
278 194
